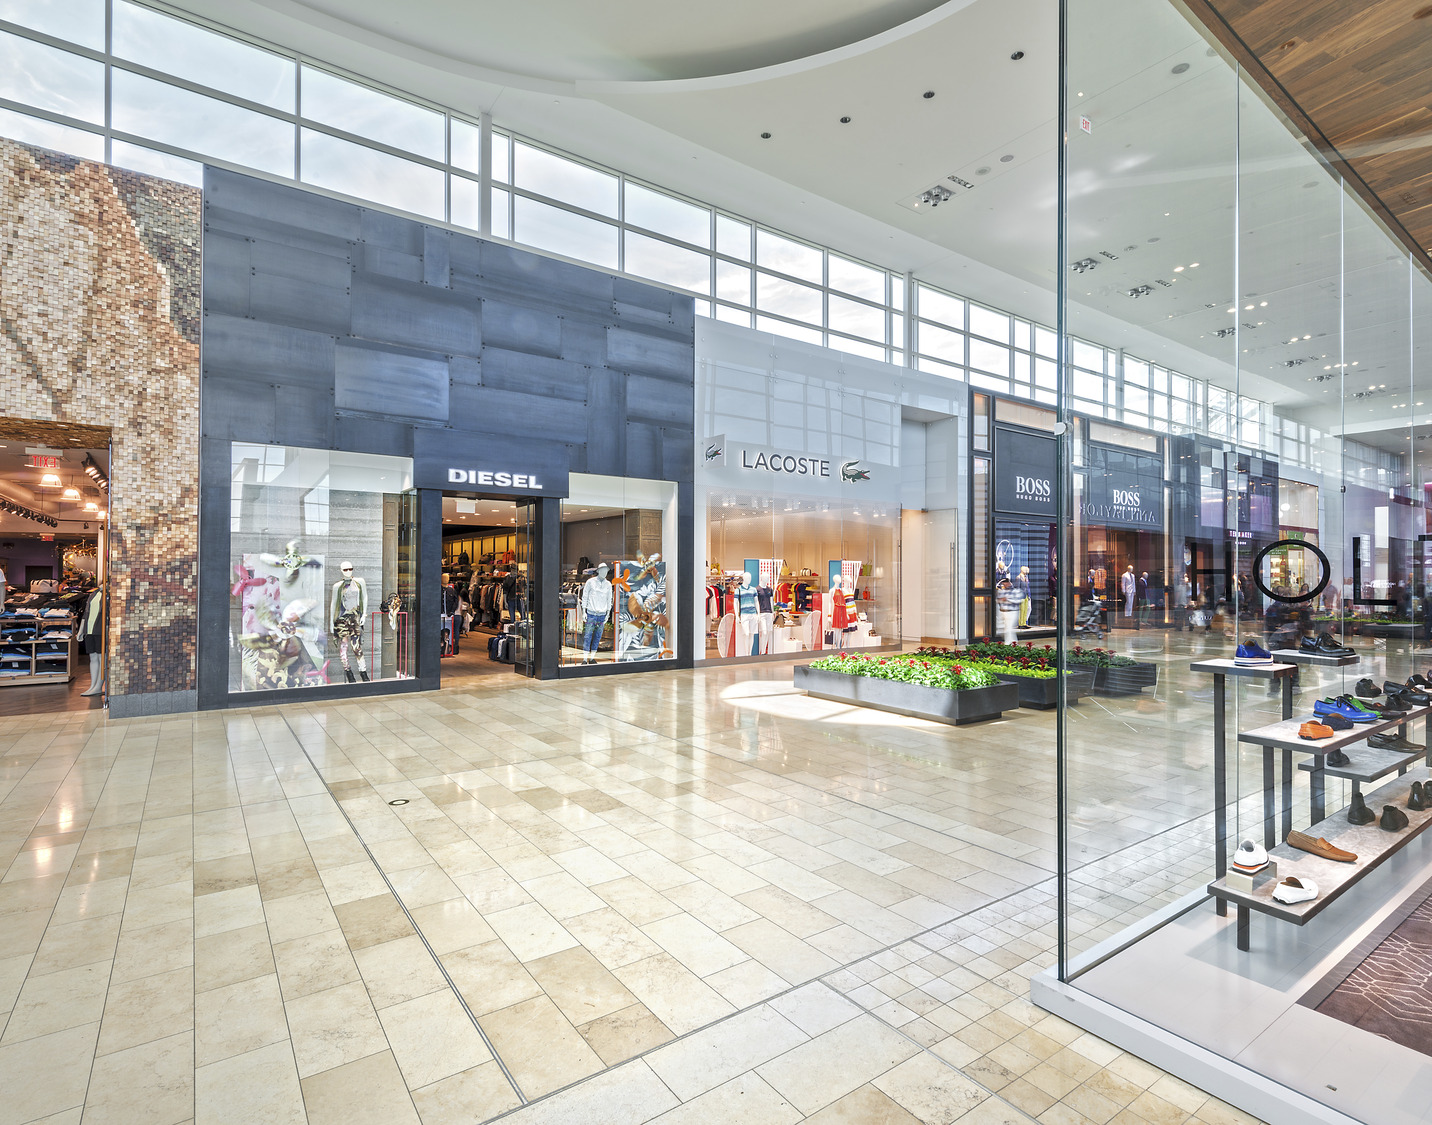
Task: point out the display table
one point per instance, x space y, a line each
1221 669
1317 659
1368 842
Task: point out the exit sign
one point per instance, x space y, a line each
39 462
47 539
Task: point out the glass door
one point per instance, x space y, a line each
524 629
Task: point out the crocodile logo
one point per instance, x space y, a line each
852 472
714 450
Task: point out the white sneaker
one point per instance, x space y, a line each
1250 857
1292 890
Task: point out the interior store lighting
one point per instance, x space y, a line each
95 473
49 480
72 493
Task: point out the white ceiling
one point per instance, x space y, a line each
681 96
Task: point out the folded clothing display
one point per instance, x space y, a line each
7 670
56 635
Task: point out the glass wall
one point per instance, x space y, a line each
618 550
1296 514
324 566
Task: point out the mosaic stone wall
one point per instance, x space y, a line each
99 325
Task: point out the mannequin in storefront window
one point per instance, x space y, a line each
1129 587
1007 602
596 607
1021 583
747 618
347 610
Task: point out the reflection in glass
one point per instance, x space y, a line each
667 264
617 599
733 282
666 215
49 78
46 134
551 228
790 331
324 568
785 255
155 163
181 118
366 112
206 57
79 21
501 214
354 169
556 177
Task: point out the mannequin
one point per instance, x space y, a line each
596 606
93 626
749 620
347 610
765 618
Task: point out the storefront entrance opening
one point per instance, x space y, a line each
489 597
54 507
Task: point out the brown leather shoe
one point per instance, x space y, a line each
1319 847
1315 732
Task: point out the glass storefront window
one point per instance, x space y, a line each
617 600
324 549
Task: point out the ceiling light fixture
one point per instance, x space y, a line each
72 493
928 94
935 196
765 136
1140 291
845 121
49 480
1083 265
1179 68
1017 56
95 473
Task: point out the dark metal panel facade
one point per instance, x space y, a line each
334 326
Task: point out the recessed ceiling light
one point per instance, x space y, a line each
1180 68
1006 158
928 94
982 171
1193 265
845 121
765 136
1017 56
1178 269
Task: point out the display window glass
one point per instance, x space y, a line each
617 599
789 574
323 568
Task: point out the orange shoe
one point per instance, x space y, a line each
1319 847
1315 732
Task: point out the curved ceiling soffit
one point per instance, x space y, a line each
594 88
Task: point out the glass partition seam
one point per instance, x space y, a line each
1064 478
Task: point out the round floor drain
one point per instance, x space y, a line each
399 801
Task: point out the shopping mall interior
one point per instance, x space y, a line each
863 562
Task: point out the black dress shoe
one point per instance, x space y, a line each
1417 799
1419 679
1366 689
1416 698
1392 742
1308 644
1329 646
1393 819
1358 812
1337 759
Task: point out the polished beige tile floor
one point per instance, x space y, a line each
679 896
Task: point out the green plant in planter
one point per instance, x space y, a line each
910 670
1025 659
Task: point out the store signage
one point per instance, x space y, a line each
1122 488
1023 472
494 464
770 461
39 462
716 450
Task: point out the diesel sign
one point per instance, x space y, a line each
501 480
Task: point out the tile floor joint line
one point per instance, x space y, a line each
511 1081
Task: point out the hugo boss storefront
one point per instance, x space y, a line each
1119 523
414 363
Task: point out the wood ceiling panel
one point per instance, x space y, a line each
1357 79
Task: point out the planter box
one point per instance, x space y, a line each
1042 692
1126 680
916 700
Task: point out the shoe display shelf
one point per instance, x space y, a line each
1319 659
1280 740
1370 843
42 665
1221 668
